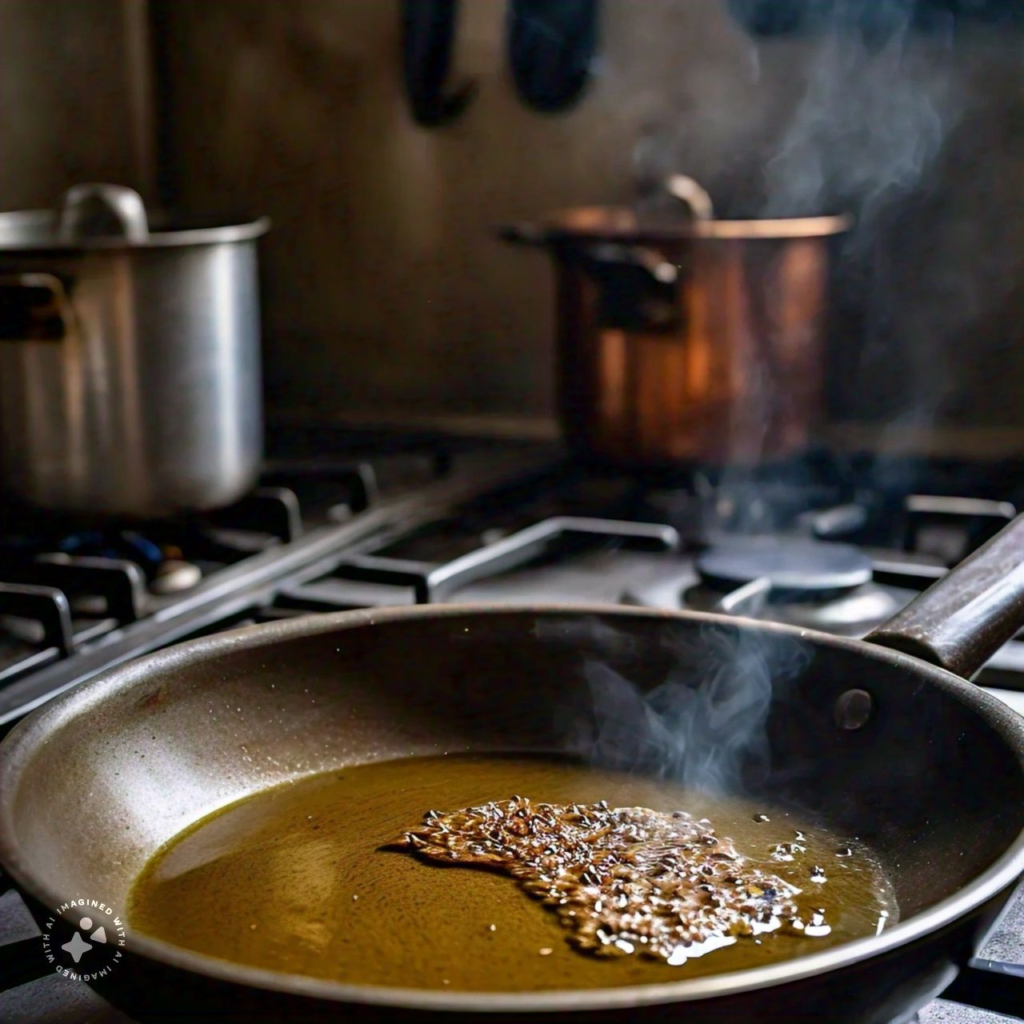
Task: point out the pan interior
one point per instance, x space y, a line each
301 879
125 765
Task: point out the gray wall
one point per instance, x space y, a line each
74 97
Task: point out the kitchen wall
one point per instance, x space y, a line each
75 103
387 297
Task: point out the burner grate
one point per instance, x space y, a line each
432 583
45 605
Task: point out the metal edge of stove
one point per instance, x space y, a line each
245 584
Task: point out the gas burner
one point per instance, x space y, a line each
791 566
174 575
801 582
164 567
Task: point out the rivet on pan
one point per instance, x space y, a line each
853 709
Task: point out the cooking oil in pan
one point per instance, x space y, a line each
307 878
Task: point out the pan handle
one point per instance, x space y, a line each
962 620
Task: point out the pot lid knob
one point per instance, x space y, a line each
692 195
95 209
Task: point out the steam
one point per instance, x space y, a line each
877 105
704 725
874 129
907 128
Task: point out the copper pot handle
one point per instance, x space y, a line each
591 253
692 195
636 283
525 234
639 257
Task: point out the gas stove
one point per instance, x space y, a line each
374 520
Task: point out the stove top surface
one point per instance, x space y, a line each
381 521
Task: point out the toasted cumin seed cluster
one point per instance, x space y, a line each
622 880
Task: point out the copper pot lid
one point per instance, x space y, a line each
686 212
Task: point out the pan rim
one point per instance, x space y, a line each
17 749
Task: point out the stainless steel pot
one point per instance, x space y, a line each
682 338
129 358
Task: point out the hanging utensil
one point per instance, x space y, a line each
428 41
551 50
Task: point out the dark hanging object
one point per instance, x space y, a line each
551 48
428 41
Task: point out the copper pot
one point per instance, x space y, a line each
685 338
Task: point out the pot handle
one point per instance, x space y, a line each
692 195
959 622
96 208
525 234
34 306
641 258
595 253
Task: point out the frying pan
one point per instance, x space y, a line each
881 738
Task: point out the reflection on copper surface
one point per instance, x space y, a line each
613 350
736 378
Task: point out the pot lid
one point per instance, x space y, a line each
624 224
103 216
678 209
